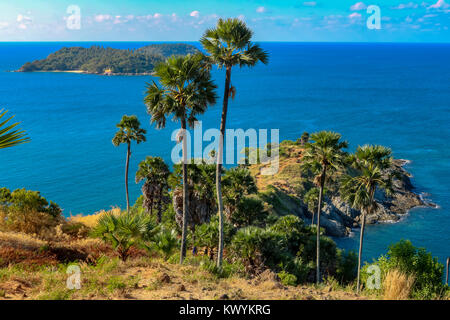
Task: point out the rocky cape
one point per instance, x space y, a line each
283 191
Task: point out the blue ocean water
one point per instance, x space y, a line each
396 95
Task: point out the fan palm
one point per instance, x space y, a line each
129 130
229 44
185 91
321 157
155 172
8 136
373 166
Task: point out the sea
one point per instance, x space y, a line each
393 94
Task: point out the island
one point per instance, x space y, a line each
108 61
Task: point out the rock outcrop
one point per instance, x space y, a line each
338 217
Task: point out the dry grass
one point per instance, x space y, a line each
397 285
91 220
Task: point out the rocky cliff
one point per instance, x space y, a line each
284 193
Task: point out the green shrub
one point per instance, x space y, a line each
346 266
287 279
257 248
27 211
426 269
122 231
249 211
164 242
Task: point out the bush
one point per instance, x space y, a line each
249 211
164 242
206 235
27 211
122 231
258 248
346 266
287 279
416 262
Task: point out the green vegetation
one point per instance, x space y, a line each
129 130
370 163
256 218
186 91
8 136
27 211
98 60
425 269
229 45
321 157
156 173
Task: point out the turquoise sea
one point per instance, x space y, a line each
396 95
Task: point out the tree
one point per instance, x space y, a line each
373 166
229 44
129 130
155 172
8 136
311 199
201 199
186 91
304 138
321 157
237 183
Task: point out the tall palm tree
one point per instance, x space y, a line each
229 44
8 136
185 91
129 130
321 157
373 169
155 172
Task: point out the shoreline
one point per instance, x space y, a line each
86 72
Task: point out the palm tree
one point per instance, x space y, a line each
8 136
129 130
237 183
229 44
155 172
373 166
321 157
186 91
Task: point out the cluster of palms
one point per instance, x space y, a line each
361 174
185 90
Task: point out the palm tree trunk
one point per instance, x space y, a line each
159 217
219 165
126 176
361 238
319 210
185 193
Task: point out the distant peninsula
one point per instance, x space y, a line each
108 61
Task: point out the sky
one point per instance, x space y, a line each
186 20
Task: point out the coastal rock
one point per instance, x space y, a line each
338 218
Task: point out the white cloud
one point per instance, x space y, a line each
23 21
102 17
157 15
355 15
310 3
260 9
4 25
409 5
439 4
358 6
195 14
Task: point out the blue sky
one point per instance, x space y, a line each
183 20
